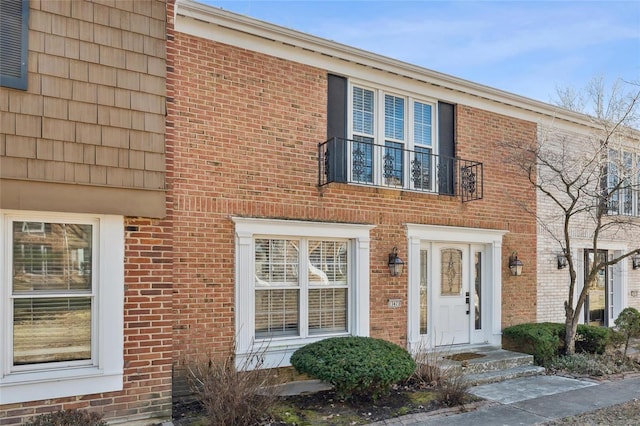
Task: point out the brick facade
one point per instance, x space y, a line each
244 129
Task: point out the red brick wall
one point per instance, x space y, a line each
147 335
244 129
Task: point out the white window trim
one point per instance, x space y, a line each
106 373
276 353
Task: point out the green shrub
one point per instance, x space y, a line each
628 326
67 418
542 340
355 366
591 339
545 340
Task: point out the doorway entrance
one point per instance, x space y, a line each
454 286
596 307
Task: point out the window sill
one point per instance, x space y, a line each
276 353
34 386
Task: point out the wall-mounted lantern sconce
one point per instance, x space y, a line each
396 265
515 264
562 261
635 260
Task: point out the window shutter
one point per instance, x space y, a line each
14 33
447 149
337 128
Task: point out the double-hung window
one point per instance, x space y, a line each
298 282
291 271
392 139
62 287
623 183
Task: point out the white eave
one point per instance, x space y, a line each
235 29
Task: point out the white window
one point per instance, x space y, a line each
623 183
61 307
298 282
392 139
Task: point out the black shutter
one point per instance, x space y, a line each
336 128
14 33
446 148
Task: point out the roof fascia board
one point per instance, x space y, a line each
219 25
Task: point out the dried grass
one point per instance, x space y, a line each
240 396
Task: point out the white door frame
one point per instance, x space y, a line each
618 276
491 241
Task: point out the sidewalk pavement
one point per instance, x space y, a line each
531 401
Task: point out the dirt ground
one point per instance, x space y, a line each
323 408
618 415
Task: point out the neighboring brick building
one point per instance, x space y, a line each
85 292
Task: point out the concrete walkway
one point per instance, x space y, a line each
531 401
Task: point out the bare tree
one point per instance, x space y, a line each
589 180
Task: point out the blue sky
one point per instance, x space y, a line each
524 47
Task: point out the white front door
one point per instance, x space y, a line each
451 292
455 286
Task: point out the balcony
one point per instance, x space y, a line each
362 162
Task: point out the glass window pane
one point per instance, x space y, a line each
363 115
478 288
276 263
327 310
51 257
451 272
626 190
277 313
393 163
423 291
422 123
421 168
612 182
327 263
362 159
51 330
394 117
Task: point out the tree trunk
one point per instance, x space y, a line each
571 328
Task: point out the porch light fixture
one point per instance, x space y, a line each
396 265
515 264
635 260
562 261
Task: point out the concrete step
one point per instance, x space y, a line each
494 376
490 359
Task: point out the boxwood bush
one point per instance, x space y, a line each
545 340
355 366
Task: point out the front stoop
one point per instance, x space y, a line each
495 365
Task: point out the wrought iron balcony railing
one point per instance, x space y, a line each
391 166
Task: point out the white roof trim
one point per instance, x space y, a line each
247 29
